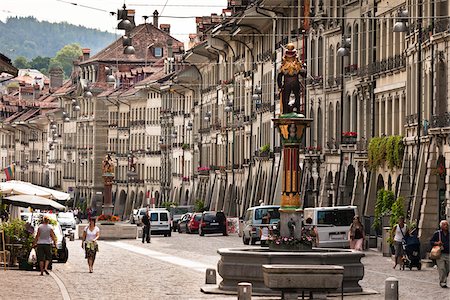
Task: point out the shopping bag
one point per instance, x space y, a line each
32 259
435 252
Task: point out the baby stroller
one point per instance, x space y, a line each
411 250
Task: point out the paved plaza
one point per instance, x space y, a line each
174 268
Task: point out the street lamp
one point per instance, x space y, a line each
401 24
344 50
207 116
257 96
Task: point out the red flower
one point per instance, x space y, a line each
350 133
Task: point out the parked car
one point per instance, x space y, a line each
333 224
213 222
189 222
194 222
137 215
178 211
253 220
160 222
67 220
182 225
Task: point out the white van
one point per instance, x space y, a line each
333 224
253 220
160 222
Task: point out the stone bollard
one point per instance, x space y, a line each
391 288
210 276
244 291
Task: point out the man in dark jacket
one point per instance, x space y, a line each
441 238
146 229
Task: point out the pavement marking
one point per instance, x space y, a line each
62 287
193 265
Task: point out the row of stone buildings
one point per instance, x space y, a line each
194 125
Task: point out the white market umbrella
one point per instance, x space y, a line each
26 188
35 202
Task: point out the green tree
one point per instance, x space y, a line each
40 63
64 58
21 62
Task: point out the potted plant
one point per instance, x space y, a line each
18 234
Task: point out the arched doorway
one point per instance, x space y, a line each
329 190
157 199
380 182
390 183
349 183
140 200
120 205
130 204
441 174
186 198
309 193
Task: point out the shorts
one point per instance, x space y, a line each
44 252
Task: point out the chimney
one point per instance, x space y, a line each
169 48
165 28
56 77
86 53
155 18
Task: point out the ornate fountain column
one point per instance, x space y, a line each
108 177
291 127
291 124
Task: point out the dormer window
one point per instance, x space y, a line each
158 51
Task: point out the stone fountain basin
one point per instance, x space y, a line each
245 265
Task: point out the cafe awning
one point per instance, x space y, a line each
17 187
35 202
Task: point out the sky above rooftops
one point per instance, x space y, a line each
180 14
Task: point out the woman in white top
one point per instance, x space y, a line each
398 233
89 243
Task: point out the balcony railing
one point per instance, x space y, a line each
441 120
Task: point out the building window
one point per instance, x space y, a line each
158 52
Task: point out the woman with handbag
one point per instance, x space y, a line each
89 242
440 251
356 234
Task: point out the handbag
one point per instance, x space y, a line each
435 252
32 259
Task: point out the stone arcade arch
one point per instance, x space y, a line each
186 197
380 182
349 184
329 190
120 204
140 199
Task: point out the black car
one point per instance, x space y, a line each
213 222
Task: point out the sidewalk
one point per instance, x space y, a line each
18 284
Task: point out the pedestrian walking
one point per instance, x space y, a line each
312 232
43 241
89 243
441 238
146 228
264 232
356 234
89 213
398 234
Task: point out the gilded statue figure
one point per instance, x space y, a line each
108 165
288 80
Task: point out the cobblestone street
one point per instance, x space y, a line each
174 268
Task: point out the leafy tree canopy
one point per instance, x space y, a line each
64 58
21 62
